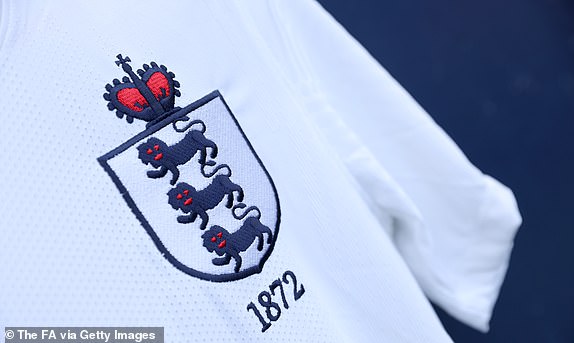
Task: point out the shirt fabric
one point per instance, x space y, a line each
378 205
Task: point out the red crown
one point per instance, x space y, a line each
147 97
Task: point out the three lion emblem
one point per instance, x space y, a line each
192 178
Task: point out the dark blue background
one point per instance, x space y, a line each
498 76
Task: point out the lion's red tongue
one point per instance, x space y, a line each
222 244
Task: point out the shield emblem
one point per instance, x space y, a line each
193 179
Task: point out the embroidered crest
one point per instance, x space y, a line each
192 178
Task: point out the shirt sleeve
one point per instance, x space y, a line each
453 224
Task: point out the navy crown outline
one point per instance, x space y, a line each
148 96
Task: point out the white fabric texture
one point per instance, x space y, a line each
455 227
364 207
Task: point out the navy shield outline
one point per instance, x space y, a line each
186 243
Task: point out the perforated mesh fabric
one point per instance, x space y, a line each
72 252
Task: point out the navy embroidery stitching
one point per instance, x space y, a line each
229 245
266 298
143 98
186 198
150 98
166 158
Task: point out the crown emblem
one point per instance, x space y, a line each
147 96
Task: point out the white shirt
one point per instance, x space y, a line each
362 226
